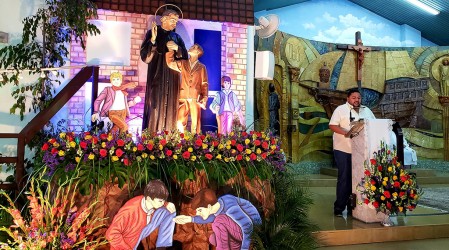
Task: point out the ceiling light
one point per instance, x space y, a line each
424 7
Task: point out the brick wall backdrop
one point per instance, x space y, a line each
233 61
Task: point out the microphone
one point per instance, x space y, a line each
351 118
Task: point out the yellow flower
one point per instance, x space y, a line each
190 149
395 194
373 188
77 159
193 158
248 151
114 158
110 137
233 151
226 159
398 164
134 149
406 182
152 157
385 178
228 147
247 141
382 197
161 147
186 137
103 144
218 157
220 146
62 135
72 144
88 137
400 209
384 183
273 147
175 157
395 177
416 197
91 156
390 169
232 133
366 184
247 158
228 142
144 155
61 153
258 151
55 144
205 145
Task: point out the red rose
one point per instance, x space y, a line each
163 142
186 155
388 152
273 141
264 155
233 142
366 201
203 137
94 140
394 161
166 132
388 205
376 204
373 161
120 143
373 182
181 135
103 152
54 151
169 152
208 156
379 168
119 152
412 196
240 147
256 143
244 133
258 134
83 145
403 178
215 143
265 145
140 147
126 162
387 194
86 133
251 132
253 156
239 157
401 194
103 136
367 172
150 146
52 140
45 147
397 184
199 142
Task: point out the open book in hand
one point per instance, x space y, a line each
356 127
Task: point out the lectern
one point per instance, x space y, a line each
365 141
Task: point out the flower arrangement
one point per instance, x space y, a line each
386 185
54 222
104 157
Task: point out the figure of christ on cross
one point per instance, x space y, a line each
360 49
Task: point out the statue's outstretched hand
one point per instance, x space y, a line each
153 32
182 219
137 99
95 117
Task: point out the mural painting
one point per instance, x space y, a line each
400 83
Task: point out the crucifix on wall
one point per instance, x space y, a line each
360 49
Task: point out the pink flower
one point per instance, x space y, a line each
208 156
103 152
120 143
186 155
169 152
119 152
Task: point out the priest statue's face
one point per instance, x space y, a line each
169 22
355 99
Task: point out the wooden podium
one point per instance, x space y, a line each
365 141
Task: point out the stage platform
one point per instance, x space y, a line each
429 221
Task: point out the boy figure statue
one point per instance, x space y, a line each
142 215
232 219
194 87
224 105
115 105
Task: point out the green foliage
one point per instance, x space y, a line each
288 227
59 22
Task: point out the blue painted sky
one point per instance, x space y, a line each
336 21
